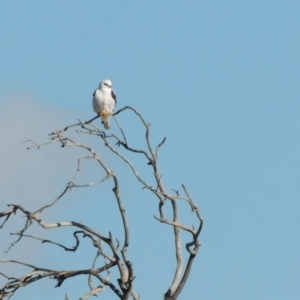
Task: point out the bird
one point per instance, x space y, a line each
104 101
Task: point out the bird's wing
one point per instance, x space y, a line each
114 96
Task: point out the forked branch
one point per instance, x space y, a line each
117 256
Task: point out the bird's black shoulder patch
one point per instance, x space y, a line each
94 93
114 96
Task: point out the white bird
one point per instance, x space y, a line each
104 101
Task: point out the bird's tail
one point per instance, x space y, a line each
106 123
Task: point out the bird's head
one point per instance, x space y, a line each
106 83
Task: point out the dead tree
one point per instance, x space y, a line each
113 254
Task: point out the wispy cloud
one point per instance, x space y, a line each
22 118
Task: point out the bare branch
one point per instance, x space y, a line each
75 125
158 147
116 253
73 249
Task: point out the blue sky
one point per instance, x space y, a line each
219 79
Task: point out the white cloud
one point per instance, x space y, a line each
22 118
